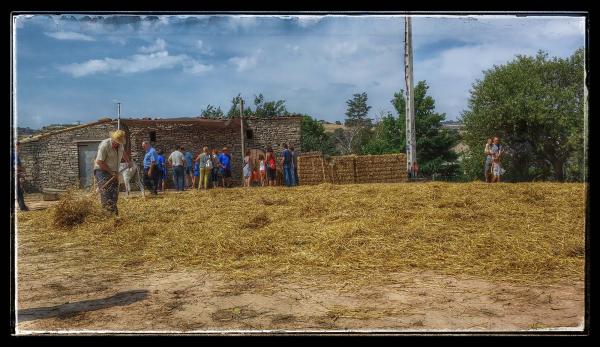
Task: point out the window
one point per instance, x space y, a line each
249 134
153 136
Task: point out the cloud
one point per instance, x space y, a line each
159 45
69 36
245 63
135 64
195 67
203 48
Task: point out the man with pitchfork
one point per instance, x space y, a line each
110 153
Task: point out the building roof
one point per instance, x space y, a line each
219 123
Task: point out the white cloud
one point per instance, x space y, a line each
203 48
195 67
245 63
135 64
70 36
157 46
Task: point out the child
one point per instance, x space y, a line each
262 169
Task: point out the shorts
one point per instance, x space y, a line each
226 173
196 172
162 174
271 174
188 170
247 172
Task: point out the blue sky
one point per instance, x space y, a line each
72 68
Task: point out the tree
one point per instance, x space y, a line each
535 106
234 111
358 111
387 137
434 144
314 138
211 112
269 108
346 140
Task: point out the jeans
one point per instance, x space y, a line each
288 175
21 197
179 177
295 175
486 167
151 182
110 193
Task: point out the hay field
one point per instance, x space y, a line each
510 232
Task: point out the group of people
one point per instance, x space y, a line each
212 168
266 172
492 168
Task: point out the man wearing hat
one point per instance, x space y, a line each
106 169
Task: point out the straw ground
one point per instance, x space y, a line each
359 235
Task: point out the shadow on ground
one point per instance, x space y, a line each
75 308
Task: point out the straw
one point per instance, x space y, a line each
531 232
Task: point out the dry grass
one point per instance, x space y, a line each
515 232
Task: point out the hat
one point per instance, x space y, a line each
118 136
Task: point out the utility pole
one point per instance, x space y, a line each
242 131
411 142
118 116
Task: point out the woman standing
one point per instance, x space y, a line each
205 169
247 169
488 161
271 166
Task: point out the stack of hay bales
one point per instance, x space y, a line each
343 169
311 169
347 169
387 168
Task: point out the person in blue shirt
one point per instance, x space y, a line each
225 161
189 162
288 166
18 166
151 173
162 170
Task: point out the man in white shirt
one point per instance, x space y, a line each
106 169
176 161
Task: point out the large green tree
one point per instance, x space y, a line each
434 143
535 105
314 138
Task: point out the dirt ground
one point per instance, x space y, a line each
55 295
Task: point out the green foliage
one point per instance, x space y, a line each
357 112
434 144
535 106
234 110
211 112
269 108
314 138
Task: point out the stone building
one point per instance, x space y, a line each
64 158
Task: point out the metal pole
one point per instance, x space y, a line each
411 143
118 116
242 133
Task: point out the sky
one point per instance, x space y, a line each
74 68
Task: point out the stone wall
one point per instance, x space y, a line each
51 160
192 135
273 132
